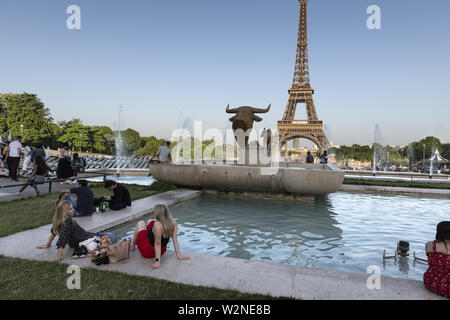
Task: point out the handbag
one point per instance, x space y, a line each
119 251
90 244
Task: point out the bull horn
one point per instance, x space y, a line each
231 110
256 110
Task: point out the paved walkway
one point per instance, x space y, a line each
8 193
220 272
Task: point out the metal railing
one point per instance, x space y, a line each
55 180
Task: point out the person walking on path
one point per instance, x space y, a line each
38 150
15 151
40 171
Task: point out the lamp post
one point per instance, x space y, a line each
21 130
80 143
423 161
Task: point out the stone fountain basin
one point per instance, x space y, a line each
308 179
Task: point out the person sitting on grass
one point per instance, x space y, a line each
121 198
152 237
69 231
437 277
84 206
40 171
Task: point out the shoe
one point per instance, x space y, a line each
76 253
83 252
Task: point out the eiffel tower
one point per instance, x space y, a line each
301 92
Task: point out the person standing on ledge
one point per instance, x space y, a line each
324 157
309 157
164 155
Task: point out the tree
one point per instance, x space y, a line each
3 114
131 140
151 146
101 139
446 150
25 115
344 153
75 134
430 143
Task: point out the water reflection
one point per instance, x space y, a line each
343 231
267 229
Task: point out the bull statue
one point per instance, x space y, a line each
244 119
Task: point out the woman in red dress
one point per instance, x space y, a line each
437 277
152 237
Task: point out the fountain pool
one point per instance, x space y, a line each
343 231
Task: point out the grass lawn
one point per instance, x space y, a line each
400 184
25 214
37 280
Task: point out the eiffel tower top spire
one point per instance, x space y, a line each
301 71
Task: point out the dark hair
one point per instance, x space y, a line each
83 183
167 143
75 156
38 145
19 137
109 183
40 162
308 152
443 232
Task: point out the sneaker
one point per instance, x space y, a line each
76 253
83 252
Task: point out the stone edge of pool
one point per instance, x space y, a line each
424 191
243 275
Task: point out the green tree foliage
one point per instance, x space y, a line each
446 151
429 144
3 115
75 135
150 148
101 139
131 140
25 114
344 153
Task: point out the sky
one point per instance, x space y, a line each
172 62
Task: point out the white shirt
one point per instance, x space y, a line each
13 149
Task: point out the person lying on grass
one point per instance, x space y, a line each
152 237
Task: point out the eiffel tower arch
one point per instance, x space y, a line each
302 92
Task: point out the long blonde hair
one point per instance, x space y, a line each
60 214
163 215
